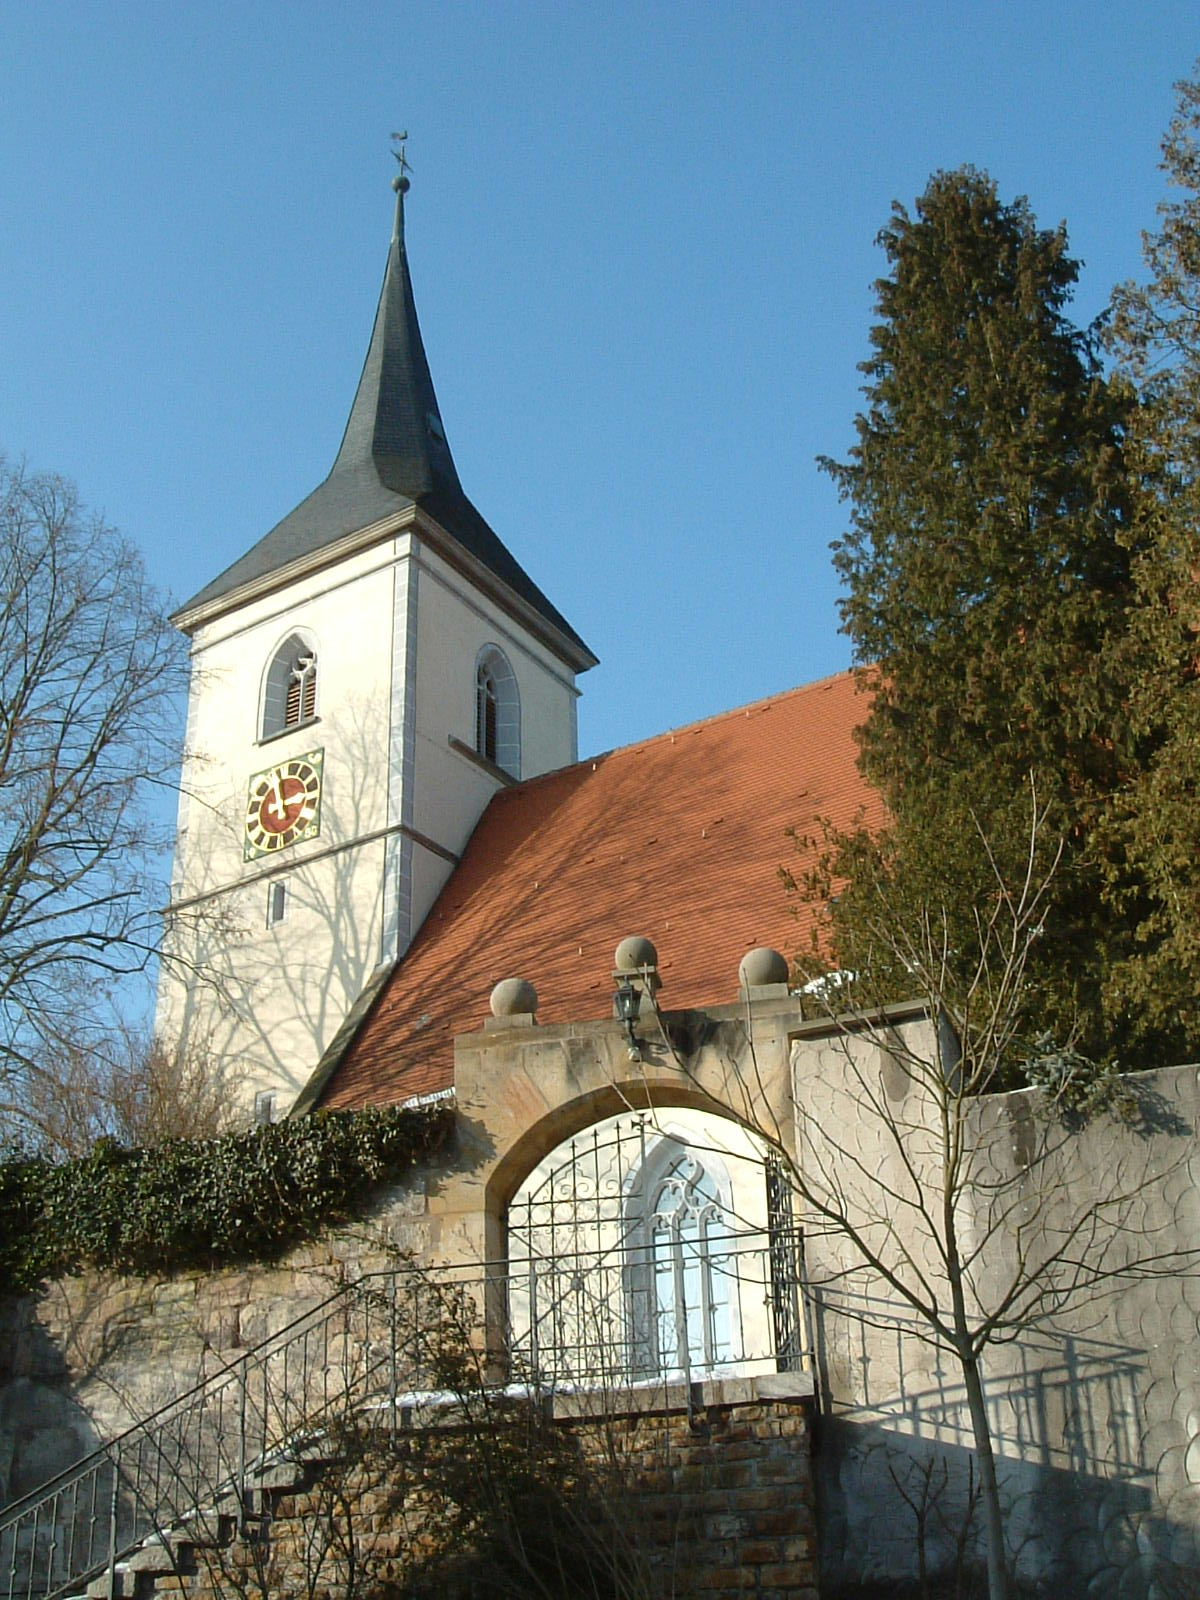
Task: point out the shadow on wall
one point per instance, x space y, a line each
1085 1471
888 1503
43 1429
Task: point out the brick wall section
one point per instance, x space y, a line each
724 1495
719 1501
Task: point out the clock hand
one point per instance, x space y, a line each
277 802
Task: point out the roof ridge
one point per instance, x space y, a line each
671 733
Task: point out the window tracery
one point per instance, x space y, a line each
687 1231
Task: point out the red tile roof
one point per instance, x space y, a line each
679 838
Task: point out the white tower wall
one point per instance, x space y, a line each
397 633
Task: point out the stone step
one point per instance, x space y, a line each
156 1555
279 1475
201 1528
123 1583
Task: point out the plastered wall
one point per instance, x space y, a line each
397 633
1093 1390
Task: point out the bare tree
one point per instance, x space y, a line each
123 1085
902 1155
90 678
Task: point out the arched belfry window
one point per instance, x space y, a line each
497 711
290 687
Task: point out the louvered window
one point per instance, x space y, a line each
301 703
290 687
486 721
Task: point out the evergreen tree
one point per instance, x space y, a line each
986 574
1155 333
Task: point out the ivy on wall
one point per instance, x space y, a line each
204 1203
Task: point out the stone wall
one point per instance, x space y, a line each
1096 1411
1094 1399
707 1491
96 1351
722 1491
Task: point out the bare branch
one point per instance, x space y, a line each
90 679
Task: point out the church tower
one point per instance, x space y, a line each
363 680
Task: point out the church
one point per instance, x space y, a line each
396 883
383 808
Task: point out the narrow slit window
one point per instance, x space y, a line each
277 903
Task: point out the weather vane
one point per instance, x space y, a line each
401 139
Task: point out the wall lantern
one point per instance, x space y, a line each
628 1003
636 983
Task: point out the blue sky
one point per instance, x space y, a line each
642 243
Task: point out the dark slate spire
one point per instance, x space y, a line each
395 424
393 455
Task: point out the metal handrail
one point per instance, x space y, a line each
392 1339
197 1452
153 1417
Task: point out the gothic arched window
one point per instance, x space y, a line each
690 1267
290 687
497 711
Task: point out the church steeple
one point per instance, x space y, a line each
395 424
366 678
394 457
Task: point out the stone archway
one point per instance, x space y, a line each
524 1091
653 1246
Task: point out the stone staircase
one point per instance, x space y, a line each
185 1479
186 1558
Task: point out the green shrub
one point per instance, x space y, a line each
193 1204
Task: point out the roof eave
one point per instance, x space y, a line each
574 654
318 1079
191 617
188 619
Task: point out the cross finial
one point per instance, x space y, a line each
400 181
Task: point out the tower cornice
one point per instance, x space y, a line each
413 520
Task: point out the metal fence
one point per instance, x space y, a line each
675 1307
666 1310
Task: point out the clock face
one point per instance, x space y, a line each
283 805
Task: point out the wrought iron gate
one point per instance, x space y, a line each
643 1251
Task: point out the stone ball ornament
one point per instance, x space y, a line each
634 953
514 997
761 966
